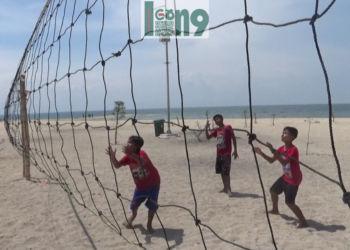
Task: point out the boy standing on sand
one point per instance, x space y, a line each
146 178
290 180
224 134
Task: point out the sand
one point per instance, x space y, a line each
39 215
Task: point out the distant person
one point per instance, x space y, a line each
224 134
146 178
290 180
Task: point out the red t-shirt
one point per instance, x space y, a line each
146 178
223 135
291 172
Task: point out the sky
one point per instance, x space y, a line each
285 68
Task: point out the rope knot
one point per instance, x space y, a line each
346 198
96 178
247 18
72 124
251 138
140 244
103 63
87 125
108 128
313 19
130 41
67 167
134 121
118 195
88 12
68 74
184 128
100 213
198 222
82 172
117 54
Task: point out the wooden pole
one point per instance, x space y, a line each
25 129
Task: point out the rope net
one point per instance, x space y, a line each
56 60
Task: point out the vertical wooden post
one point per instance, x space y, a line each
25 129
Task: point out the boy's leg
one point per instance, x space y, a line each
298 213
152 205
275 190
139 197
224 190
128 223
226 169
150 219
291 193
228 185
218 170
274 198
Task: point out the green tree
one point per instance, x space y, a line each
119 112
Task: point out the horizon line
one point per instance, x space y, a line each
205 107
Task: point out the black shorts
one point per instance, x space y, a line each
223 164
290 191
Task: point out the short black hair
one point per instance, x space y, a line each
137 140
218 115
293 131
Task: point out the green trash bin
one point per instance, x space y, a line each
158 127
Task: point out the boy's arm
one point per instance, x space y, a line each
206 131
282 160
115 162
277 155
234 145
266 157
140 160
112 157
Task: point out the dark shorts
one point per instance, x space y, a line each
290 191
223 164
141 195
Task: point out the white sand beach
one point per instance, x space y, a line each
39 215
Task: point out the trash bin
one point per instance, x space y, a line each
158 127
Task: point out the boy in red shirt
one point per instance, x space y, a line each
146 178
224 134
290 180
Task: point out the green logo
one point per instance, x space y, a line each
163 21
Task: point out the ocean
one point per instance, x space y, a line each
279 111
